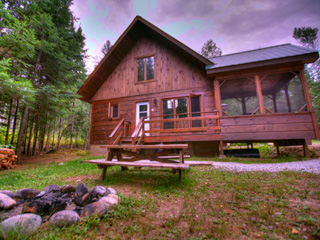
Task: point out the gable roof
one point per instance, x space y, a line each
263 56
123 45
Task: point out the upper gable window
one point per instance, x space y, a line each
145 69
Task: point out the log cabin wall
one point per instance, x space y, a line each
174 77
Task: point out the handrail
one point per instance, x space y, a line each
180 119
118 132
187 113
139 128
116 128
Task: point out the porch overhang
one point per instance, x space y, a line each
301 59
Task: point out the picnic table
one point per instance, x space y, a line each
159 157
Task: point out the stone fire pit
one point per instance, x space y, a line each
27 209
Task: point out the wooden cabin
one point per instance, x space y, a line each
150 88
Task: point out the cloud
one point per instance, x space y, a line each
234 25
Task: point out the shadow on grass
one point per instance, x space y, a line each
158 181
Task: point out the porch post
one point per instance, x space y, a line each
221 150
243 103
308 101
305 90
287 97
274 102
259 93
217 96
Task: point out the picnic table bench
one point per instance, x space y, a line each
159 159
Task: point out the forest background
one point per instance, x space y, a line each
42 66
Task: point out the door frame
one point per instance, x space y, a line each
136 104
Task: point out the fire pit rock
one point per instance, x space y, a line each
63 206
26 193
64 218
97 208
6 202
52 188
8 193
68 188
24 224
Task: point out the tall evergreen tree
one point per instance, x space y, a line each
54 64
210 49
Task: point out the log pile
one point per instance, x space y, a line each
8 159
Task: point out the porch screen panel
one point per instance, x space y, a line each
238 97
168 112
282 93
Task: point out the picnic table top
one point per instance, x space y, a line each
159 146
140 164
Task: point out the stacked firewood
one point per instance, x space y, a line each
8 159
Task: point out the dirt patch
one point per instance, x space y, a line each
48 158
314 151
81 178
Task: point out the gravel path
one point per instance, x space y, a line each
302 166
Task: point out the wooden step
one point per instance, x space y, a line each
126 139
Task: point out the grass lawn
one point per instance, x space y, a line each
208 204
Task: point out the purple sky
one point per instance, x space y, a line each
235 25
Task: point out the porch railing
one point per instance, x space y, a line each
183 122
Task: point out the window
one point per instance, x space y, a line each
113 111
179 108
145 69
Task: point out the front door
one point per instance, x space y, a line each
142 110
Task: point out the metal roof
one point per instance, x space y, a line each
259 55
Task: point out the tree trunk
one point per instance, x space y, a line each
86 146
30 136
47 142
79 135
9 122
54 132
59 135
15 121
26 134
44 130
21 131
35 138
71 131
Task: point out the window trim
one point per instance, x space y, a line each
110 111
145 71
